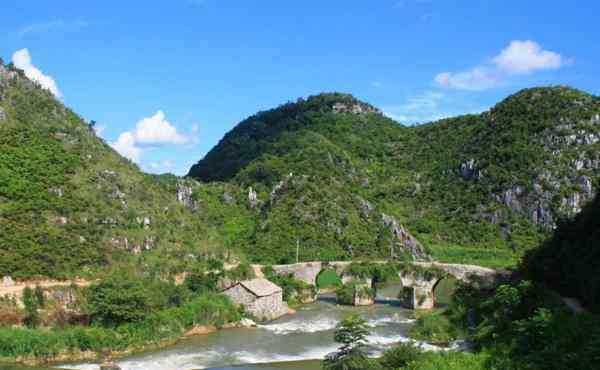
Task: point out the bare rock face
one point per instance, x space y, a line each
365 207
252 197
6 74
184 193
2 114
403 239
354 108
7 281
227 198
469 171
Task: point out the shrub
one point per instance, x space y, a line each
123 297
351 333
201 282
399 356
32 318
345 293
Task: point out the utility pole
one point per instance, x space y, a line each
297 250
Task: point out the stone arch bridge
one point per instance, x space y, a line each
418 287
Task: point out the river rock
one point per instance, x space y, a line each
8 281
247 323
109 366
200 330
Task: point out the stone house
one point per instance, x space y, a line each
260 297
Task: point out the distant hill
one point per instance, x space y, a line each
330 169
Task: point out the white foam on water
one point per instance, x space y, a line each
302 326
159 361
394 319
327 323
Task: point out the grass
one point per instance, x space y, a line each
328 279
435 327
162 326
449 361
486 257
444 290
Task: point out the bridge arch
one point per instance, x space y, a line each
419 279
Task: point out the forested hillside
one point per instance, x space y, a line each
69 204
329 177
331 170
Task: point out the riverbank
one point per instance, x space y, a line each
158 330
280 344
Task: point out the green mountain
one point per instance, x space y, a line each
333 173
70 205
328 177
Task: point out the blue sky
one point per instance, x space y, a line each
166 79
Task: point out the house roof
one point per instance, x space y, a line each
260 287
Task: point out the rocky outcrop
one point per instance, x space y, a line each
354 108
252 197
2 114
6 74
546 201
7 281
402 239
469 171
109 365
365 208
278 189
227 198
184 193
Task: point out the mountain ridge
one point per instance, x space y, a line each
329 174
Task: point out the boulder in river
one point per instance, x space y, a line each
109 365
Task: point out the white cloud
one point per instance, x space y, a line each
476 79
526 57
153 130
126 146
22 60
519 57
157 130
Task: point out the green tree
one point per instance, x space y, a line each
32 318
122 297
352 334
39 296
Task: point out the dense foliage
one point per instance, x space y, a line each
121 311
351 333
569 262
70 205
324 179
168 324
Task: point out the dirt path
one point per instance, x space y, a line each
16 290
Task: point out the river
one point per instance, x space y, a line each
280 344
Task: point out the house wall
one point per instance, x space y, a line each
268 307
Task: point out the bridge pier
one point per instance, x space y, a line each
417 292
